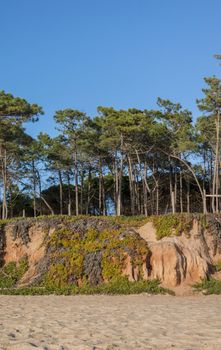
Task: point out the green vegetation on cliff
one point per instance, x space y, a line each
117 286
82 255
88 254
11 273
218 266
93 255
208 286
172 224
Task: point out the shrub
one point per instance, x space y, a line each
117 286
11 273
172 224
208 286
93 254
218 266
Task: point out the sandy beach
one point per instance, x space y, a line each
110 322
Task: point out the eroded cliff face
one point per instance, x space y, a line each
62 251
186 258
66 251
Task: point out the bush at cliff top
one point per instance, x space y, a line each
171 224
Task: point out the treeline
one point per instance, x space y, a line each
123 162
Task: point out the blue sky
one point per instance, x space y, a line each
121 53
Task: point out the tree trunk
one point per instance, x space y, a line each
34 188
157 198
119 179
195 177
215 202
69 194
131 186
144 189
76 180
88 192
175 191
48 205
188 197
118 191
115 182
60 192
172 195
82 188
210 170
218 161
11 203
100 187
136 190
40 190
103 193
181 191
4 180
5 186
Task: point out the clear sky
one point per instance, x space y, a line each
122 53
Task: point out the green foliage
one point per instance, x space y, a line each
117 286
166 225
172 224
11 273
137 147
16 109
134 221
112 265
218 266
70 249
208 286
126 221
177 124
211 103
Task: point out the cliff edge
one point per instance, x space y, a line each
59 251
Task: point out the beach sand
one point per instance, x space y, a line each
110 322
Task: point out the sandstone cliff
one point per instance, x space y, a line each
185 258
61 251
